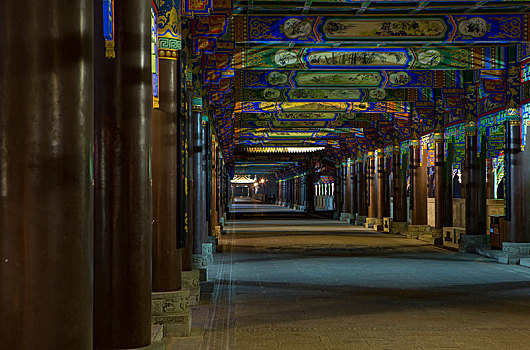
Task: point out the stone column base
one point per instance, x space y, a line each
216 231
378 225
470 243
419 232
172 310
190 281
360 220
399 227
387 224
207 250
370 222
213 241
437 236
512 253
200 263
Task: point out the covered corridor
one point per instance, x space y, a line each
275 174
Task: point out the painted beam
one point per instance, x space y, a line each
296 107
348 79
477 29
267 57
323 95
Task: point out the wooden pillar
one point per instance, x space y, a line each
166 258
310 191
337 197
353 187
199 183
380 188
361 188
46 189
448 178
475 215
439 187
399 163
123 197
347 187
372 209
418 185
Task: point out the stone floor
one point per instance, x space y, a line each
294 282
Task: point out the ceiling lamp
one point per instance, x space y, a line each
283 149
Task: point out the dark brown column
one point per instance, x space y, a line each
448 194
46 193
310 191
123 202
199 181
388 189
474 178
337 197
439 186
418 185
372 209
353 187
490 185
361 189
473 181
166 258
214 217
514 203
347 187
380 188
399 163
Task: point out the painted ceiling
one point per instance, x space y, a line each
348 75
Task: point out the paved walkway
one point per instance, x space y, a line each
309 283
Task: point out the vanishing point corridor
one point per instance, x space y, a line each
264 174
285 280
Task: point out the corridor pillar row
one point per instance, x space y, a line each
46 190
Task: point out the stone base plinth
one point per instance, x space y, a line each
400 227
378 225
512 253
190 281
346 216
437 236
524 262
387 224
360 220
207 250
213 241
370 222
470 243
200 263
216 231
172 310
417 231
